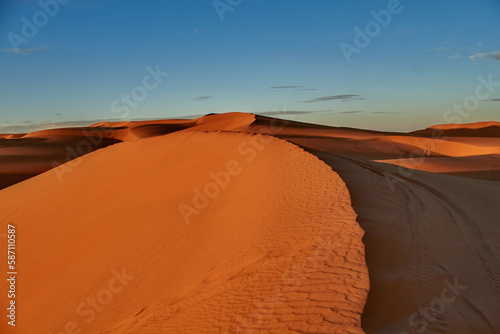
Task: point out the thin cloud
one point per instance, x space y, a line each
345 98
493 100
202 98
476 46
492 55
308 89
26 51
350 112
295 112
389 112
353 99
441 49
285 87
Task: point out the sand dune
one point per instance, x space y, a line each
237 223
485 167
365 149
477 125
442 147
25 155
477 141
480 129
278 249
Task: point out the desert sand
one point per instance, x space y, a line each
237 223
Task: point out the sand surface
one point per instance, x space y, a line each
277 248
237 223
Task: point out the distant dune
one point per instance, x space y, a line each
237 223
479 129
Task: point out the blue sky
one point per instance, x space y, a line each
227 55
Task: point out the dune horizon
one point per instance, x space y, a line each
242 223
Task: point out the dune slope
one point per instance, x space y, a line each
190 232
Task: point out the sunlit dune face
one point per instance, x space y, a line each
190 231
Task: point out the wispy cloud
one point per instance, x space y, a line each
492 55
295 112
202 98
389 112
350 112
285 87
345 98
493 100
454 57
441 49
26 51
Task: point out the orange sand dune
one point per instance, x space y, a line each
277 249
207 226
480 129
442 147
26 155
477 141
477 125
12 136
365 149
482 167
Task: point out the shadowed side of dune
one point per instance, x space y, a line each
153 130
479 129
432 248
191 232
23 158
485 167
